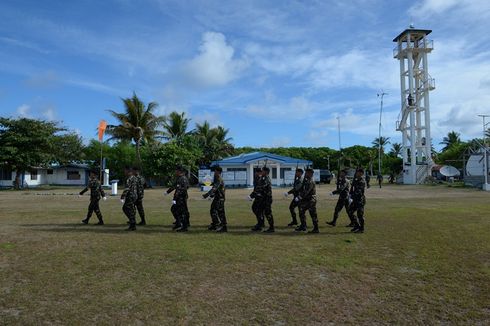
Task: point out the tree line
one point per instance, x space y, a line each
158 143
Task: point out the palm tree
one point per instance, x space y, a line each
396 149
137 123
206 138
383 141
451 139
175 126
224 143
487 133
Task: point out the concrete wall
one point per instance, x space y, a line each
59 177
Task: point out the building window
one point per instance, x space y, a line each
50 171
283 170
274 173
6 173
73 175
33 174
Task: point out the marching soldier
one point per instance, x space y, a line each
179 203
379 178
262 206
217 192
295 192
96 192
358 201
368 180
141 193
343 188
307 202
129 198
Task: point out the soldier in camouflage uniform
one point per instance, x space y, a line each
96 192
141 193
129 197
307 202
295 192
256 204
217 192
179 204
343 188
262 196
358 200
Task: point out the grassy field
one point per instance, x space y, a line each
424 259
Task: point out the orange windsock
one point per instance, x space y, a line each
102 127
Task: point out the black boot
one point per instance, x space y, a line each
355 228
182 229
143 222
101 222
257 227
315 229
131 227
85 221
301 228
222 229
176 226
212 227
351 225
332 223
270 230
293 222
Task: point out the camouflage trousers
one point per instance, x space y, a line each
139 206
341 203
308 206
217 211
357 208
292 209
130 211
263 208
181 213
93 207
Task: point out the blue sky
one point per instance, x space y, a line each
277 73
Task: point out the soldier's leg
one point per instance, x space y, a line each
257 208
350 213
360 216
214 215
268 215
141 211
354 208
175 212
314 216
98 212
222 217
89 212
302 217
292 209
187 215
338 208
130 212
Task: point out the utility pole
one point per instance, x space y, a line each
485 167
340 145
382 94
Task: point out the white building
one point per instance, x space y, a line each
239 170
63 175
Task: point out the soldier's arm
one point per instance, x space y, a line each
84 191
102 193
210 193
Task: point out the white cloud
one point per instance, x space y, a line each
215 65
24 111
280 141
49 114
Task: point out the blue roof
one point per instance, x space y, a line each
255 157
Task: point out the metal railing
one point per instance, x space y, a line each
422 44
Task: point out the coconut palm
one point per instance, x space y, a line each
137 123
225 146
451 139
396 149
383 141
175 126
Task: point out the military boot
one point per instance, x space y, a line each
257 227
143 222
301 228
315 229
212 227
85 221
222 229
293 223
101 222
333 223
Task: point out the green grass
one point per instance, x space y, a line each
424 259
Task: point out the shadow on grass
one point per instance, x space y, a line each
148 229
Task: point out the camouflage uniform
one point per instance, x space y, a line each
343 187
358 202
130 195
96 192
140 182
307 202
179 209
262 205
217 192
295 192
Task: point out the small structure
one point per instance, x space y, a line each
414 122
239 170
61 175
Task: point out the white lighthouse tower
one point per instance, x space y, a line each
414 122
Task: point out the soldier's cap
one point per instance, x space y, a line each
266 169
179 168
309 170
218 168
360 170
135 168
343 171
128 168
299 170
94 171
